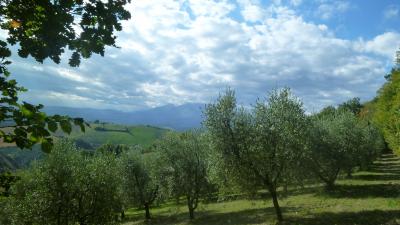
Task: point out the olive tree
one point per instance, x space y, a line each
67 188
141 183
259 147
336 143
372 146
184 158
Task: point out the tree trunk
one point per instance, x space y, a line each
274 196
147 208
191 214
122 214
285 189
349 172
330 185
191 208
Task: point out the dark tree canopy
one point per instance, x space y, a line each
354 105
46 29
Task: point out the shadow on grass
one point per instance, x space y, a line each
376 217
374 177
250 216
364 191
385 169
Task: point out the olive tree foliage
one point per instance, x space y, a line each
258 148
339 141
372 147
354 105
46 29
184 159
67 188
116 149
141 181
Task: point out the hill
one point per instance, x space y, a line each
181 117
12 158
104 133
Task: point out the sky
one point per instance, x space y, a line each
190 51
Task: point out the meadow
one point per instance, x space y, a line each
368 198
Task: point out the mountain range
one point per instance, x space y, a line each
182 117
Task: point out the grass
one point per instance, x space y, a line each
118 134
91 139
368 198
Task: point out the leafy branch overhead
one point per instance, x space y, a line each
45 29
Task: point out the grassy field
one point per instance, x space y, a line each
95 135
368 198
98 134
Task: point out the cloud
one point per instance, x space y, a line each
251 10
391 12
296 2
327 9
384 44
175 52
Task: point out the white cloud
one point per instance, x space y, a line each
176 52
296 2
385 44
328 9
391 12
251 10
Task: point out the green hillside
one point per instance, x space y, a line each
12 157
98 134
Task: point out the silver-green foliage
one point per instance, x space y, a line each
141 181
184 162
258 148
67 187
339 141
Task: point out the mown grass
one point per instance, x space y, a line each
368 198
119 134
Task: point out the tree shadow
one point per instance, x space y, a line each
374 177
388 159
250 216
375 217
385 169
364 191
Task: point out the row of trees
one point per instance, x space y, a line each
73 186
274 144
384 109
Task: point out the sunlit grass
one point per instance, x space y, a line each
368 198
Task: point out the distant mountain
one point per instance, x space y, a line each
180 117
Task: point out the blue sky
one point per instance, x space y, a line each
188 51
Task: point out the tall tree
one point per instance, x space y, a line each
67 188
386 110
354 105
336 143
257 148
184 157
45 29
141 183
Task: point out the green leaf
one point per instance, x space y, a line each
66 126
81 123
52 125
47 145
33 139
